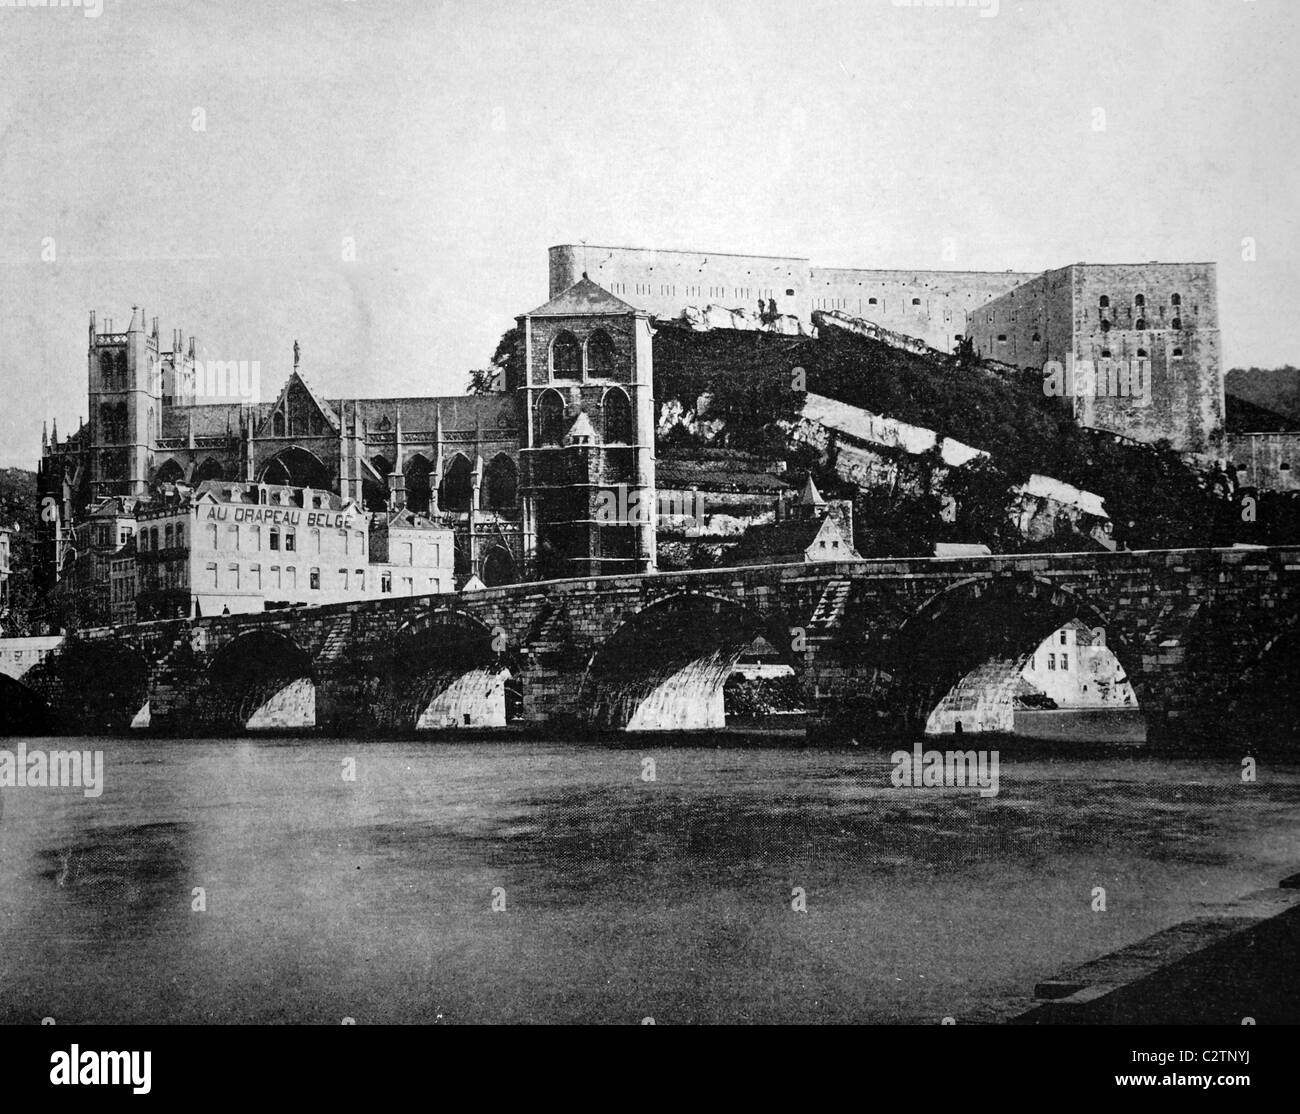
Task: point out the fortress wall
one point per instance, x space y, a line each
931 305
1035 320
666 282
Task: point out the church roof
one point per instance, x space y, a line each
583 298
810 496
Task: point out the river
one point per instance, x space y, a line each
617 897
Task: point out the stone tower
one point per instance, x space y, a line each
125 389
587 432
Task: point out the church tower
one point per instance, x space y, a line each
587 423
125 397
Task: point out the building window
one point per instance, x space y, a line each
1105 353
617 409
549 419
916 301
566 357
871 301
386 582
408 583
275 577
291 572
343 578
275 537
1141 323
1104 302
1140 300
234 538
601 357
789 293
408 553
234 576
1178 351
289 541
1176 300
1051 662
1142 353
315 540
180 536
1002 338
1065 638
361 580
1065 661
212 573
1176 323
212 537
314 580
255 577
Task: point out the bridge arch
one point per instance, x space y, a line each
24 709
667 666
259 681
1243 670
446 669
105 685
958 659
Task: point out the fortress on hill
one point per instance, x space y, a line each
1164 314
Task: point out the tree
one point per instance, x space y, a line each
506 372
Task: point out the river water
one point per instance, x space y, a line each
624 898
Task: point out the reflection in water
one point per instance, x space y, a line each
372 898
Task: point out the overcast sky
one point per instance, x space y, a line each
455 142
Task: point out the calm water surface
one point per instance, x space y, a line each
624 898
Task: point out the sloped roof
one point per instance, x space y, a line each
716 476
209 420
787 540
1243 416
584 297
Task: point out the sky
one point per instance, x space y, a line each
212 161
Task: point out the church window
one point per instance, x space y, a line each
600 354
566 357
548 419
277 424
618 418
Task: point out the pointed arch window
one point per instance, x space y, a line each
548 419
566 357
456 490
601 355
618 417
502 483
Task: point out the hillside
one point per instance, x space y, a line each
1154 499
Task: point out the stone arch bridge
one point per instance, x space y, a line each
1208 639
